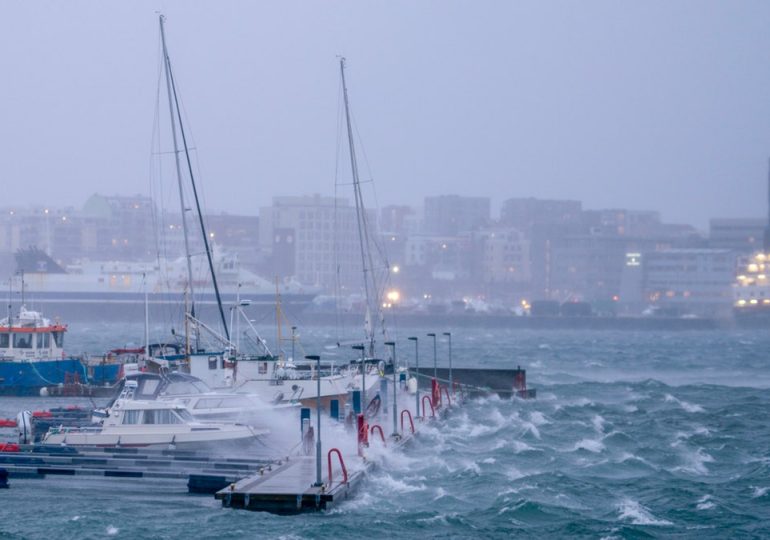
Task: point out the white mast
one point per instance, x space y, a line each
188 255
370 282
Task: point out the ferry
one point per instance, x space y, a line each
32 356
118 289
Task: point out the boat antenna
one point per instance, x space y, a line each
146 317
10 298
173 93
21 272
363 232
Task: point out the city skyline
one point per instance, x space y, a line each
637 107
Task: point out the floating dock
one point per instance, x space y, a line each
204 474
290 484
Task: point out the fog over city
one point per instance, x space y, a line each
653 106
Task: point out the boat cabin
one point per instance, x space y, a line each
30 336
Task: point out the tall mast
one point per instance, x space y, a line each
174 106
363 232
188 255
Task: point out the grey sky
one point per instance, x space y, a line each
653 105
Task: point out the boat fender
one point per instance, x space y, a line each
24 424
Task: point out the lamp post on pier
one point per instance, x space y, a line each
363 378
435 363
416 376
392 345
449 336
318 482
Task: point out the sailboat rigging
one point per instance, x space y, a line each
176 117
371 290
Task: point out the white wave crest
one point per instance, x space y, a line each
637 514
519 447
695 462
704 503
538 418
388 483
598 423
112 531
759 491
687 406
589 445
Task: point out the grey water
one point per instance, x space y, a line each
633 435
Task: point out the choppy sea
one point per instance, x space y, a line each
633 435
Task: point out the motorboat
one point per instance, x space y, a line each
203 403
130 422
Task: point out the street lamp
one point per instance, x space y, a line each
435 365
449 336
293 340
392 345
363 378
318 482
416 376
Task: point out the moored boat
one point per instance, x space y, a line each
32 356
139 423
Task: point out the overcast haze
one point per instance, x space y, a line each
662 106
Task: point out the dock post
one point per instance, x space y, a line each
304 422
363 376
334 409
384 395
356 401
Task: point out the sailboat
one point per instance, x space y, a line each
372 291
270 376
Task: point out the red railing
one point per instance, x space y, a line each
6 422
430 402
378 428
342 464
411 421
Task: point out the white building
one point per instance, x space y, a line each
690 281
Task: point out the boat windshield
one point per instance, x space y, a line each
4 341
58 338
178 388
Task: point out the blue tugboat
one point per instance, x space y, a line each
32 356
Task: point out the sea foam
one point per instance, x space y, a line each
637 514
